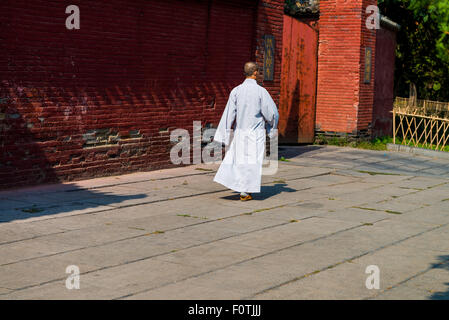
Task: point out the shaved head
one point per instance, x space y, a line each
250 68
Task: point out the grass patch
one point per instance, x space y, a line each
136 228
261 210
190 216
393 212
407 188
283 159
312 273
345 141
33 209
363 208
155 232
373 173
379 144
437 185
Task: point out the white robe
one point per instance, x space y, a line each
250 105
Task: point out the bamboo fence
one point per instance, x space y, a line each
422 123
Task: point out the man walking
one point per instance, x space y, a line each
250 106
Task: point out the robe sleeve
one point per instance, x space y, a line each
223 133
269 112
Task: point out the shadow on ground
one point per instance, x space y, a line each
265 192
295 151
21 205
443 264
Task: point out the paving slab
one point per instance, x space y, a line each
186 290
347 279
291 234
431 285
434 214
35 273
333 284
320 220
44 212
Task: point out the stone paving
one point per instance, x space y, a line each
320 221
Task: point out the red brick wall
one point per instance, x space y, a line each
344 103
365 110
102 100
270 17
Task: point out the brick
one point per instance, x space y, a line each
132 67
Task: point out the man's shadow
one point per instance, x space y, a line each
266 192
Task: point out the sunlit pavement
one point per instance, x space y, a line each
326 216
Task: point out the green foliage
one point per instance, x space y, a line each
300 8
374 144
436 11
422 53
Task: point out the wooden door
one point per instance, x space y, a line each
298 81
